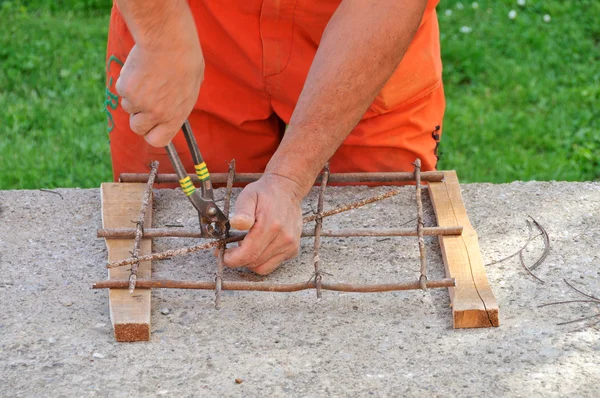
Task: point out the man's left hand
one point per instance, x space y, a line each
270 209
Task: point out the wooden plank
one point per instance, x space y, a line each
473 302
129 313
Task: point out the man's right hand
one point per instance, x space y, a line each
160 81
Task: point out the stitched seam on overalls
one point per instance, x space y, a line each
291 43
262 42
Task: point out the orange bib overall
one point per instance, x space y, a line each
257 55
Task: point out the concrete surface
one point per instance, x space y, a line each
56 337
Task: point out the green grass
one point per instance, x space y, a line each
52 119
523 94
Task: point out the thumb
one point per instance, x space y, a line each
245 209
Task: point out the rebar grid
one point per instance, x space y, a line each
315 282
353 205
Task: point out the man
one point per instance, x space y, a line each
358 82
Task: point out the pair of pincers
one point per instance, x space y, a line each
213 223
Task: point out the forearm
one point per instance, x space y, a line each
361 47
156 24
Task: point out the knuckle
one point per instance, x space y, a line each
161 114
127 106
253 257
122 86
156 113
275 226
140 123
155 141
119 86
137 128
289 240
159 135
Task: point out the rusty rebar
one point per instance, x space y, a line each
139 229
420 225
219 276
318 227
223 246
387 232
221 178
238 236
231 177
354 205
129 233
274 287
175 252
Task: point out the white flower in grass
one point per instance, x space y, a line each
459 6
521 2
475 5
547 18
466 29
448 13
512 14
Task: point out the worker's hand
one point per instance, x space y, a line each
159 84
270 209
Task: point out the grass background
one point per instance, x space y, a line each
523 94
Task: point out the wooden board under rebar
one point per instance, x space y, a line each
473 302
129 313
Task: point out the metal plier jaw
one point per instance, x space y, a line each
213 223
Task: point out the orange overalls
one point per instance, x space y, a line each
257 55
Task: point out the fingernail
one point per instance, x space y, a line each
242 222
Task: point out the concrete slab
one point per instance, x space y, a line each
56 339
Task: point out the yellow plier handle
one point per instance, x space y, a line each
213 223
